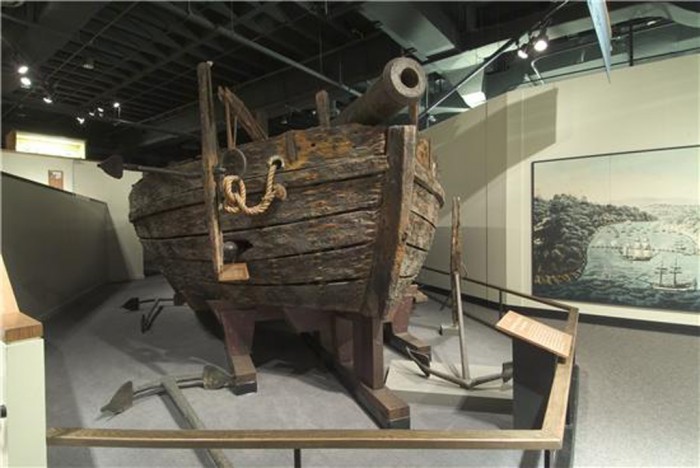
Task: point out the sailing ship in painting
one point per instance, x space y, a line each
639 251
674 285
617 242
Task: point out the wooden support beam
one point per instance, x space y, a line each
210 157
243 114
323 109
368 351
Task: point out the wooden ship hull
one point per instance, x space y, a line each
336 256
359 218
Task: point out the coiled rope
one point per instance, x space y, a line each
235 201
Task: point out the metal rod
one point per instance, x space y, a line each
188 412
160 170
500 304
491 59
467 384
203 22
460 321
549 302
297 458
630 45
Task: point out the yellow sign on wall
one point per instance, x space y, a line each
25 142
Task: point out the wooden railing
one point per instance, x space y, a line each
549 437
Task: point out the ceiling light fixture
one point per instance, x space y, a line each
22 69
26 82
91 114
81 120
541 42
48 100
522 51
116 105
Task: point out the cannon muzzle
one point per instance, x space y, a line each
401 83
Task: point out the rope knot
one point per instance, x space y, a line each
235 201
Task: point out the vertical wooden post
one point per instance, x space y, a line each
239 326
323 109
210 150
342 341
368 351
455 254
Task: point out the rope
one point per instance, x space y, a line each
235 201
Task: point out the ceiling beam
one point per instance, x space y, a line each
253 45
361 60
66 18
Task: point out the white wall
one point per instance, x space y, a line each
36 167
85 178
485 156
125 253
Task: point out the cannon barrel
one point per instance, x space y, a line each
401 83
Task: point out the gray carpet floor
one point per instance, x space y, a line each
638 403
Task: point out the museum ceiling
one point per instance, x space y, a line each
84 57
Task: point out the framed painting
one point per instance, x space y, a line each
621 229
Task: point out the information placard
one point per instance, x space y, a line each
536 333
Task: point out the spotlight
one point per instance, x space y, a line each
522 52
81 120
26 82
91 114
48 100
22 69
116 105
541 42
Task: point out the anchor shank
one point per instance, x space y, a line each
190 415
159 170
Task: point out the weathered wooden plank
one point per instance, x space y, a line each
394 221
342 296
423 153
332 265
301 203
420 232
425 204
330 232
427 180
412 262
176 197
209 161
245 117
314 146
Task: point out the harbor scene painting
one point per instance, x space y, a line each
620 229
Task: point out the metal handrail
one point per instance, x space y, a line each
549 302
